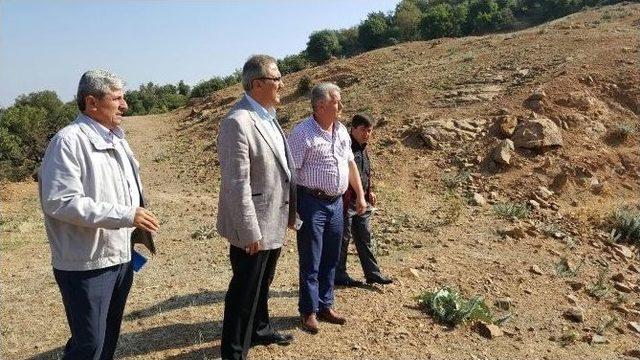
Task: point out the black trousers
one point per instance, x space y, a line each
94 303
246 312
358 227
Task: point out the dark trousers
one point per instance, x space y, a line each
318 250
358 227
246 312
94 302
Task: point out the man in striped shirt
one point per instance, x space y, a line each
324 164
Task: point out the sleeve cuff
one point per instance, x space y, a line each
132 216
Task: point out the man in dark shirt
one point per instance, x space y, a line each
359 226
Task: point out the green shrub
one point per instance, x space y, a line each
448 307
510 210
626 226
621 132
452 181
293 63
25 130
304 85
600 289
154 99
563 269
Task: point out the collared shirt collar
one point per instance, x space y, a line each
105 133
261 110
320 129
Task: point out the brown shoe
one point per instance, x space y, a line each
331 316
309 323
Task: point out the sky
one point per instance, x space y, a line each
47 45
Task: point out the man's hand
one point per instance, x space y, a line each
361 205
145 220
253 248
372 198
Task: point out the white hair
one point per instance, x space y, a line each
322 91
97 83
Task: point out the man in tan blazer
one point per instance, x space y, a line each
257 203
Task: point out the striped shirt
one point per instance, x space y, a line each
321 158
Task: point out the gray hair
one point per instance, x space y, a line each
97 83
255 67
322 91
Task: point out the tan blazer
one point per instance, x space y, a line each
257 198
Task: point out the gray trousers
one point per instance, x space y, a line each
358 227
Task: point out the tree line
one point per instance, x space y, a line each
431 19
410 21
27 126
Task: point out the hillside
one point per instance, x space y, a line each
566 93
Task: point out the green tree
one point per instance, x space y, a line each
183 89
407 19
443 20
348 41
373 32
46 99
208 87
292 63
24 137
233 78
322 45
487 15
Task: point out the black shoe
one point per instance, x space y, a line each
347 281
273 338
379 280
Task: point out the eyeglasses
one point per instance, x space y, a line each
276 79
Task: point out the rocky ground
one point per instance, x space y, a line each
499 162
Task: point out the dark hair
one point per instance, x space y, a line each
360 119
255 67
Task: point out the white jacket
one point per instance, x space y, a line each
84 197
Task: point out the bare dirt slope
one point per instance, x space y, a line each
444 105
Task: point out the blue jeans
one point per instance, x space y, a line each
319 241
94 302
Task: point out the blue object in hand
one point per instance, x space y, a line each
138 260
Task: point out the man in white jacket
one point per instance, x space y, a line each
91 197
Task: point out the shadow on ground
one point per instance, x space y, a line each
197 299
174 336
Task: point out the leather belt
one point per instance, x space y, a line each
319 194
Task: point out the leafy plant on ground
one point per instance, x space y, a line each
453 181
470 56
626 226
620 132
452 208
600 289
204 232
567 338
511 209
563 269
603 327
448 307
621 298
553 230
